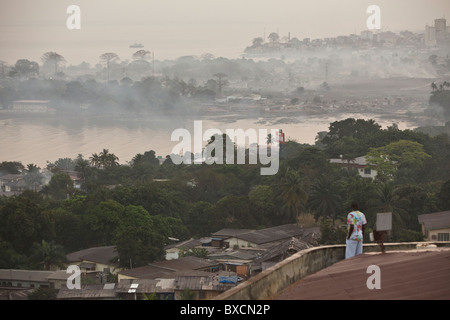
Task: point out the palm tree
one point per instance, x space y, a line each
269 139
434 86
108 58
82 167
291 193
221 82
95 160
274 37
108 159
138 158
324 198
257 42
48 253
53 57
446 84
34 177
141 56
386 199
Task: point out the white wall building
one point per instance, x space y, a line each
30 106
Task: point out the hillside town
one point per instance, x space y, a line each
436 35
96 227
193 269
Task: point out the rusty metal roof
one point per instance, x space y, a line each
166 268
283 249
436 220
24 275
404 275
145 286
92 291
278 233
104 255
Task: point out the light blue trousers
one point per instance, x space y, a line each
353 248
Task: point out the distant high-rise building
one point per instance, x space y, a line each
430 36
367 35
441 30
440 25
437 34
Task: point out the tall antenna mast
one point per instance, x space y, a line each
153 63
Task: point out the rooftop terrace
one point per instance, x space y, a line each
407 271
407 275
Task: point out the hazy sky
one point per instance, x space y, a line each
173 28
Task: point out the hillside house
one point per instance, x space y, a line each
102 260
89 292
264 238
170 278
138 289
436 226
200 285
14 278
11 184
167 268
278 253
30 106
203 285
364 169
173 251
74 176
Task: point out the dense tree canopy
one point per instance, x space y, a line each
140 205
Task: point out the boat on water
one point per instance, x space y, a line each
137 45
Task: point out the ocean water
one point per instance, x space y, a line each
38 139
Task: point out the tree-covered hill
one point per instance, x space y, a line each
138 206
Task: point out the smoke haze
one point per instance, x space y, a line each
177 27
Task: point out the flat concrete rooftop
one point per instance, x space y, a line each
422 274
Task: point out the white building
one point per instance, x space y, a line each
430 36
365 170
436 226
30 106
437 34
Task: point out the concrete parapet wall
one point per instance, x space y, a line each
277 278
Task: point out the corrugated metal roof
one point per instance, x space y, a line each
184 263
272 234
146 286
206 282
164 269
92 291
59 275
102 255
25 275
192 280
292 245
188 244
234 254
30 101
147 272
12 177
407 275
359 161
230 232
436 220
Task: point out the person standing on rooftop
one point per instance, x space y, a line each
356 221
